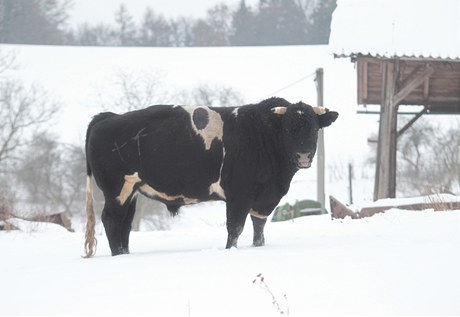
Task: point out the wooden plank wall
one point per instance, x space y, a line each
441 91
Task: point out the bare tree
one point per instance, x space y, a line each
155 29
429 159
126 30
137 90
181 31
206 95
215 29
23 111
51 175
98 35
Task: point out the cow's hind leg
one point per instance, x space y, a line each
127 224
113 218
258 225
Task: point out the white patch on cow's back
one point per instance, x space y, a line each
213 130
235 112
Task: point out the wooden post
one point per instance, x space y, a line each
392 96
321 196
385 180
350 182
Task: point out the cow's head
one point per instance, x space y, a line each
301 123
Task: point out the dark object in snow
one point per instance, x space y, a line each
301 208
181 155
59 218
6 226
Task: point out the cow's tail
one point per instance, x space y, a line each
90 239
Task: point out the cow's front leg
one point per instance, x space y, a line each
236 217
258 225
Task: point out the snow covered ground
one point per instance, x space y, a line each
396 263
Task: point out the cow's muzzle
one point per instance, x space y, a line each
303 160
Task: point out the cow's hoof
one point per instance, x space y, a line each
120 251
258 243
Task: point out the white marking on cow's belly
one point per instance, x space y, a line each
214 129
132 180
128 187
257 214
152 192
215 188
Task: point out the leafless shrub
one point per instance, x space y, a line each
260 280
438 202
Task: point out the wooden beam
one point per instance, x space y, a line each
385 175
411 85
364 81
412 121
426 89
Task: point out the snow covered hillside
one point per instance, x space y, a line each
396 263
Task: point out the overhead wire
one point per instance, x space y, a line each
289 85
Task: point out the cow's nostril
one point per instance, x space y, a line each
303 156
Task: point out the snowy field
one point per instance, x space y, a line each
396 263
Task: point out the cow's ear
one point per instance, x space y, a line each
279 110
327 118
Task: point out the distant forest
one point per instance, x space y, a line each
269 22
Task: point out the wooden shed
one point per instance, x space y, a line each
403 57
400 80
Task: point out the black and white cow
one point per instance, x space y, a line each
180 155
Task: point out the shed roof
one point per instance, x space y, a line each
396 28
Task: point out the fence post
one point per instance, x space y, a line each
321 196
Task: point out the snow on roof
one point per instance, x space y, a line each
404 28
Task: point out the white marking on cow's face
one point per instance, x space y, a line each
128 187
257 214
214 129
149 191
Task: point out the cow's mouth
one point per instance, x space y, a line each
303 160
303 164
